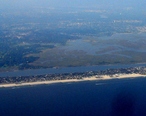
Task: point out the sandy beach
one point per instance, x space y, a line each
92 78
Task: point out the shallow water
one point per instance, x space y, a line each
108 44
66 70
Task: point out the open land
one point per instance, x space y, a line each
51 39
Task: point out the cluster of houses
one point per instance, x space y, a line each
65 76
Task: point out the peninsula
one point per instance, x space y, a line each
133 72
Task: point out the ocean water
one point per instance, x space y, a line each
119 97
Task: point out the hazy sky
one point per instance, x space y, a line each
71 3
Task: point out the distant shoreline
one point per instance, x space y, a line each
92 78
61 70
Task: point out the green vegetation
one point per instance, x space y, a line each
50 39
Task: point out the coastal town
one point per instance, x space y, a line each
69 77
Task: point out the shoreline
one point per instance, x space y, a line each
92 78
61 70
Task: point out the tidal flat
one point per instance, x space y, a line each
124 48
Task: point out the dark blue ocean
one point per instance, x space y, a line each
126 97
